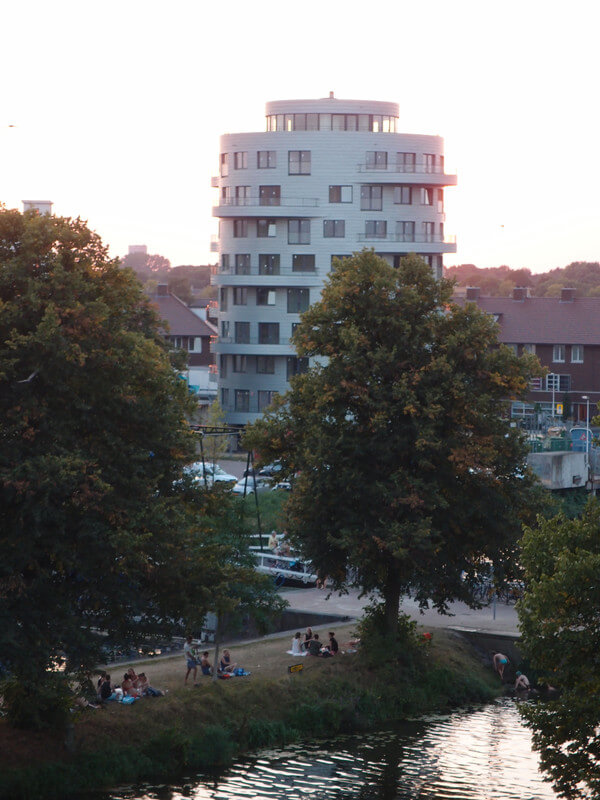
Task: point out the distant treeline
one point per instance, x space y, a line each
584 276
186 281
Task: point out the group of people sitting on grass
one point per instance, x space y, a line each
311 645
194 659
278 544
132 686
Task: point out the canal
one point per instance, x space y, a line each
479 754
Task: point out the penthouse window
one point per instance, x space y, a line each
299 231
266 159
334 228
299 162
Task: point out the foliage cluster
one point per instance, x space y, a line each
561 637
407 472
584 276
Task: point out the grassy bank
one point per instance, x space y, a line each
196 728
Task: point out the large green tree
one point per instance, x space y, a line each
408 474
93 438
560 625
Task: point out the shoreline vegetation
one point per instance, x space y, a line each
206 727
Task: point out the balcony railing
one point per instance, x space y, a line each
416 238
406 169
268 202
264 273
253 340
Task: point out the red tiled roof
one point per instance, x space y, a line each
544 320
181 320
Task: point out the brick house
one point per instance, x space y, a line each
564 333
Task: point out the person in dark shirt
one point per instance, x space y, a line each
314 645
333 645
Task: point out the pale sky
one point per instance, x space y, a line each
118 108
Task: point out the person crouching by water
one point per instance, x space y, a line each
522 683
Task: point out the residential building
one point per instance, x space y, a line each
564 333
186 331
41 206
327 178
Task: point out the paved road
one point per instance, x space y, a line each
463 617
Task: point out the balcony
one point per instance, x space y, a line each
214 244
265 207
214 181
408 173
252 345
418 238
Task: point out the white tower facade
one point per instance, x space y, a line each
327 178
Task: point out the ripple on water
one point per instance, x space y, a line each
483 754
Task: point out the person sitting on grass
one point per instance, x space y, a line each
205 664
145 689
314 646
333 644
226 665
297 646
129 689
307 637
522 683
106 691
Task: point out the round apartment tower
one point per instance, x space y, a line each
327 178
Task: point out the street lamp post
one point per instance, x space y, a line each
587 432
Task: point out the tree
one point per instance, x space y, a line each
561 636
408 474
91 424
215 444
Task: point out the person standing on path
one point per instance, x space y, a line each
190 657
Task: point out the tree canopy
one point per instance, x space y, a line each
584 276
561 636
407 473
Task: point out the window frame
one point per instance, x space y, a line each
240 159
580 349
302 233
303 160
266 156
301 299
298 258
341 188
334 228
557 349
369 201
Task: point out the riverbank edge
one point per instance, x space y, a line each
207 729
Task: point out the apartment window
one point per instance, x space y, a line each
225 329
303 263
242 400
426 196
265 297
225 398
240 296
266 228
405 162
223 366
296 366
440 200
529 348
268 264
240 160
239 363
299 162
269 195
577 354
376 159
340 194
558 353
334 228
240 228
428 231
242 332
268 333
371 198
298 231
224 165
265 399
225 195
297 301
242 264
558 383
265 365
403 195
405 231
223 299
376 229
225 262
266 159
294 327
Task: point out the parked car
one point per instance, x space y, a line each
271 470
214 473
262 484
285 486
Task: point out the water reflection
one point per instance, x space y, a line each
478 755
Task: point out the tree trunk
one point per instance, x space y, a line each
391 597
